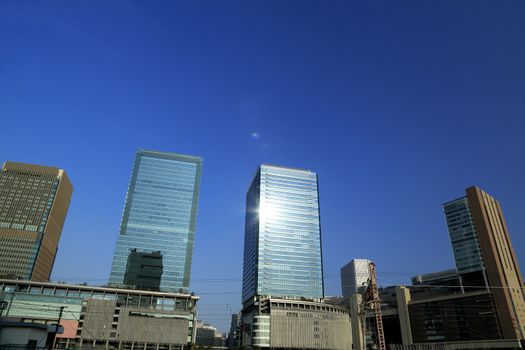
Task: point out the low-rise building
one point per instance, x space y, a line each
295 324
435 316
110 318
209 337
23 335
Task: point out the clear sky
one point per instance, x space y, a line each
397 105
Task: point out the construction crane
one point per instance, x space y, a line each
373 303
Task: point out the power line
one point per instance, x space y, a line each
83 328
237 279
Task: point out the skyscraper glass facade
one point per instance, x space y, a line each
462 231
282 241
159 216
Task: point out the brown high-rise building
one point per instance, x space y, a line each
485 258
33 204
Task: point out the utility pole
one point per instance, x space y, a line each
3 305
52 343
357 314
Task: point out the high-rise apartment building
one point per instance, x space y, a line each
282 239
485 258
355 277
34 201
159 220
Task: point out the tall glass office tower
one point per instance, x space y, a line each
282 238
465 243
159 217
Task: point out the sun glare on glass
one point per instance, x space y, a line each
267 210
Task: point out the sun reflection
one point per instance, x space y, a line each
267 210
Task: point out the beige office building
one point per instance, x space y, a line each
485 258
500 264
34 201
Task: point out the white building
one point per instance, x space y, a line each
355 276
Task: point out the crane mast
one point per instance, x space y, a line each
374 303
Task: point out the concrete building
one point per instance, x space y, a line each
34 201
355 276
440 278
23 335
469 316
102 317
485 258
413 319
234 333
436 312
443 309
295 324
396 327
209 337
441 312
477 305
438 284
160 216
481 300
466 345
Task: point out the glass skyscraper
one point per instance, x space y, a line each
159 217
282 239
465 244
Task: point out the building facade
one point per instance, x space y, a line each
468 316
440 278
209 337
355 277
296 324
485 257
282 240
23 335
465 243
480 303
101 317
144 270
283 290
160 216
234 333
34 201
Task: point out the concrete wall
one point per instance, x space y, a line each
98 318
133 327
22 335
310 330
103 322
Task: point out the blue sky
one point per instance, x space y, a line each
397 105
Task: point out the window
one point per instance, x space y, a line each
48 291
